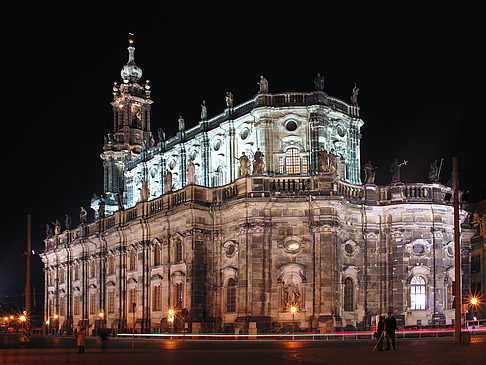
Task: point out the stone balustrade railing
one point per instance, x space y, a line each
261 186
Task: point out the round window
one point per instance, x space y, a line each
450 251
291 126
340 130
418 249
349 248
230 249
245 133
292 246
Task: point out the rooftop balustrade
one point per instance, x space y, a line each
262 187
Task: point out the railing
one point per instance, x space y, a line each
349 190
290 184
264 186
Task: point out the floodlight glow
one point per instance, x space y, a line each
22 318
293 309
474 301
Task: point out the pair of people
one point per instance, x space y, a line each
386 329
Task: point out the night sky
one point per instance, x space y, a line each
420 70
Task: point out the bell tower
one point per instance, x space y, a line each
131 130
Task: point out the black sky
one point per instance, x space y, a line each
420 70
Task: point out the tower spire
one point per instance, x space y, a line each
131 73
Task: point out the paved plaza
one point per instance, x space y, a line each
62 350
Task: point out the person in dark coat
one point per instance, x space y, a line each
390 327
381 328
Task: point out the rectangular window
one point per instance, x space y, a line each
292 161
76 305
111 302
156 298
92 304
304 164
281 165
76 272
179 296
475 264
62 306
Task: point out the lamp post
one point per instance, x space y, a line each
170 319
293 310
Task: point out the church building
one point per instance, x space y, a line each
260 208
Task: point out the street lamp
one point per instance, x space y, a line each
293 310
170 319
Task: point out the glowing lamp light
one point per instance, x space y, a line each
56 316
293 309
11 317
48 321
5 319
171 312
101 315
474 301
22 318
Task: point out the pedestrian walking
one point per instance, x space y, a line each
381 329
390 327
81 342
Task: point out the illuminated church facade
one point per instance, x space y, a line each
257 209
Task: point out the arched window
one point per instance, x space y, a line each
178 256
132 302
292 161
231 296
62 278
92 269
156 255
179 295
111 265
133 259
348 294
418 298
156 299
76 272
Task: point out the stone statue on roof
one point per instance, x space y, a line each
49 233
395 170
434 171
161 134
229 99
67 222
182 126
244 164
369 173
168 182
323 159
83 215
191 173
354 95
204 111
319 82
263 85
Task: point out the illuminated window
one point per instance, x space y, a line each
417 293
348 294
304 164
111 301
292 161
281 165
231 296
133 259
156 298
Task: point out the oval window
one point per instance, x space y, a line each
291 126
245 133
418 249
349 248
217 145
